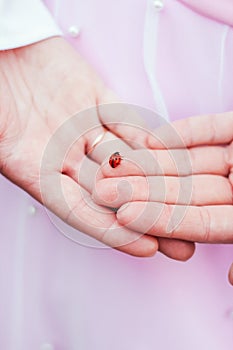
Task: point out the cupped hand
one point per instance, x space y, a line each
182 187
44 141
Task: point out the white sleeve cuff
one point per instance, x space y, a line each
25 22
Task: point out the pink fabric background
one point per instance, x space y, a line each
219 10
73 297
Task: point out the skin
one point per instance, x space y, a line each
44 142
184 181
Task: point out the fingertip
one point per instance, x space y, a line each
187 252
123 214
151 246
176 249
230 275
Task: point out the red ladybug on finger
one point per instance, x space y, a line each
115 159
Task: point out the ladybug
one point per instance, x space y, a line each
115 159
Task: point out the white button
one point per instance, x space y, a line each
74 31
158 4
46 346
32 210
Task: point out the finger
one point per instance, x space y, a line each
127 121
192 190
175 162
207 224
176 249
64 197
230 275
200 130
85 172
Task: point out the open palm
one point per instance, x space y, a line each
44 141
